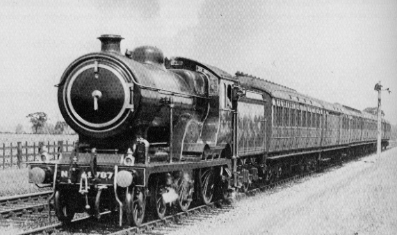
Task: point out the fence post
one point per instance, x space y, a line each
26 152
34 151
41 145
4 156
11 160
19 154
60 148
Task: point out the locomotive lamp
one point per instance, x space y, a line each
124 178
40 175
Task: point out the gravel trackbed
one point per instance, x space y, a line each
358 198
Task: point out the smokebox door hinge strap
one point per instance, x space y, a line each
130 105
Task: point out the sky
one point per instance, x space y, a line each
334 50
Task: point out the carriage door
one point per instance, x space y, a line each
225 113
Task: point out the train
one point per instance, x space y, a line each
156 133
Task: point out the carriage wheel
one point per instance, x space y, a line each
269 178
279 172
64 209
312 165
207 183
135 207
302 167
184 199
244 187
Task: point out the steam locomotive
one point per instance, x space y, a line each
155 132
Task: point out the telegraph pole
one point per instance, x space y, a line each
378 87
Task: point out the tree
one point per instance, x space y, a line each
19 129
49 129
61 127
38 121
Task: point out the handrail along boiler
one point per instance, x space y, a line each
155 133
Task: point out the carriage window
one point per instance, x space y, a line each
274 116
304 116
286 116
277 116
293 117
313 119
280 116
298 117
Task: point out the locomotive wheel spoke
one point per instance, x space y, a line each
207 185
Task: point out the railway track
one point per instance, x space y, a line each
157 226
175 221
20 205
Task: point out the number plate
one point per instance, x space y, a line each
103 175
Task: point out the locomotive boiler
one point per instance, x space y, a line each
148 135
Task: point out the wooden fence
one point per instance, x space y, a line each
16 155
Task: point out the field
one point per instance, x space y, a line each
34 138
14 180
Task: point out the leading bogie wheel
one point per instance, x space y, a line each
64 209
160 206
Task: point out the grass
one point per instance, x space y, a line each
15 181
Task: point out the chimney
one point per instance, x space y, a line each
110 43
